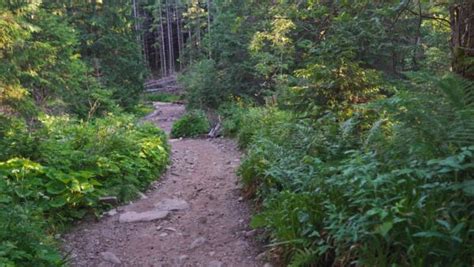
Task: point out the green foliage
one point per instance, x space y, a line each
191 124
40 65
396 193
203 89
162 97
23 238
62 168
336 87
109 45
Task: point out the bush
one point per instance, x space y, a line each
162 97
272 122
203 87
192 124
340 193
60 171
23 239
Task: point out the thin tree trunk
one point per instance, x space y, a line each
462 38
198 31
163 40
178 32
170 37
190 41
209 28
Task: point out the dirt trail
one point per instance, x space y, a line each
193 216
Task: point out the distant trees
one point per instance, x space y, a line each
173 32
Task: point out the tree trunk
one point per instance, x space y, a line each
209 27
462 38
169 28
179 32
163 40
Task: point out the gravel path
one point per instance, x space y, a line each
193 216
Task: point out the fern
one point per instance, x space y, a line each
460 94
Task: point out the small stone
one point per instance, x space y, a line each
215 264
112 212
212 253
198 242
171 229
146 216
182 259
241 221
202 220
261 256
163 234
110 257
250 233
241 199
267 265
158 228
142 196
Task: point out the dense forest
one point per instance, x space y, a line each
356 119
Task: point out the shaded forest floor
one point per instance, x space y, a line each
192 216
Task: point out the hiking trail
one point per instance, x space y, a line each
193 215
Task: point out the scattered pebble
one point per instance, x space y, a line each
182 259
110 257
202 220
261 256
142 196
250 233
198 242
215 264
112 212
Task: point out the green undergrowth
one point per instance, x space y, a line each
390 185
54 172
191 124
162 97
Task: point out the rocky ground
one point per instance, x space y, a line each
193 216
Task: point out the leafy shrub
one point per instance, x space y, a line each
203 89
162 97
23 239
192 124
60 171
242 122
397 193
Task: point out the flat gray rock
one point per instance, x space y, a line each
172 204
110 257
146 216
